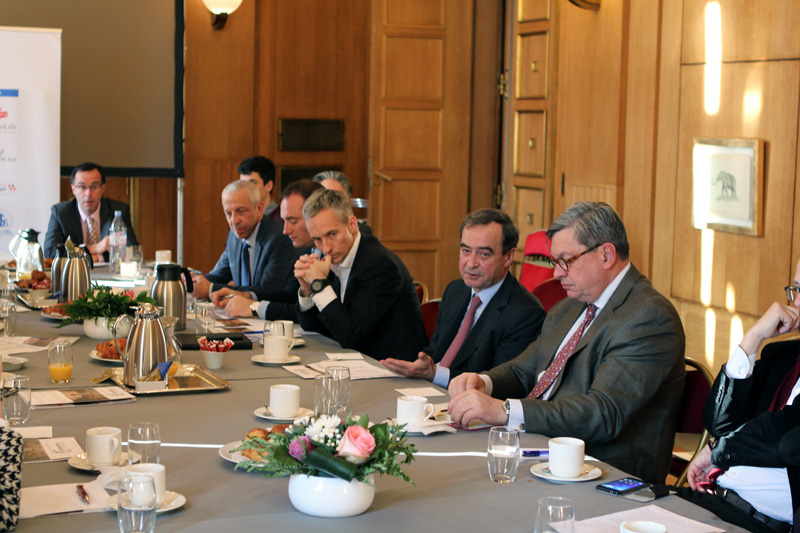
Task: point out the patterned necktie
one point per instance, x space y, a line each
463 331
245 264
92 231
560 360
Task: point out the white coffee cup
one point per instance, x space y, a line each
284 401
413 409
276 349
163 256
155 471
642 526
566 457
104 445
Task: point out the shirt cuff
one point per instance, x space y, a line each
324 297
740 365
442 377
487 382
516 416
305 302
262 309
252 295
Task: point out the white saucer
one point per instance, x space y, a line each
172 501
589 472
11 362
263 412
82 463
261 361
297 342
115 362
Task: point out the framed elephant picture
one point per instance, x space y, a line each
728 185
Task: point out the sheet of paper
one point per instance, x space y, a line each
56 499
421 391
344 356
653 513
46 450
43 399
302 371
358 369
12 345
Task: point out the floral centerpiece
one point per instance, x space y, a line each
102 305
347 453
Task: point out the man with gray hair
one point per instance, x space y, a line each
335 181
359 293
608 366
257 258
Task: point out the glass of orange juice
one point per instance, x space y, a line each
59 360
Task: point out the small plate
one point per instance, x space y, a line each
290 361
11 362
54 316
234 457
115 362
82 463
589 472
263 412
172 501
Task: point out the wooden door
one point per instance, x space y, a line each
420 79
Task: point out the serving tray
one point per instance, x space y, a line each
188 378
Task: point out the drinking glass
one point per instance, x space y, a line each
555 515
340 387
16 399
274 329
144 443
324 401
503 454
204 318
136 253
136 504
59 361
8 313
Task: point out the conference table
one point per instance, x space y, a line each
450 492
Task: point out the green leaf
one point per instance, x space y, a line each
331 465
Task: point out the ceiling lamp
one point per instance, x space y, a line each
220 9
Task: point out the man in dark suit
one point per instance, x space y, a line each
608 366
257 258
261 171
750 475
280 306
476 335
87 217
359 293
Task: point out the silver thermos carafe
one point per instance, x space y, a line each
76 277
170 292
58 268
146 346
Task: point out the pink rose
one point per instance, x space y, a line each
300 447
129 294
357 444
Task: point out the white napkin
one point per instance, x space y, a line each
57 499
427 427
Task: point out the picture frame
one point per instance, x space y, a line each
728 185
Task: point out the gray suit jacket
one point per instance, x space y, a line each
621 388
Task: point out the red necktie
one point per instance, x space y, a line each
463 331
560 360
785 388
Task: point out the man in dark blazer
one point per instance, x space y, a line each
69 219
506 318
359 293
750 475
610 372
269 253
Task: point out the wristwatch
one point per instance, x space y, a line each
254 308
318 285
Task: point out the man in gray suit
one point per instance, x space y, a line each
608 367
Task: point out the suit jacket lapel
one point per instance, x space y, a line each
259 249
73 221
348 293
235 261
460 303
106 217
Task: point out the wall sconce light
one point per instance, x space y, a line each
220 9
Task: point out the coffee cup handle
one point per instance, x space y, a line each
291 343
116 445
428 414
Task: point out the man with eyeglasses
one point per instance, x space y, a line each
749 474
608 366
88 216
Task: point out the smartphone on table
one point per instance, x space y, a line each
622 486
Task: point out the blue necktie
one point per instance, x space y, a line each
245 265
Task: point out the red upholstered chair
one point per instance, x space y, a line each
549 293
690 418
535 268
430 310
422 291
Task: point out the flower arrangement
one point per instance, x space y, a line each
101 301
329 447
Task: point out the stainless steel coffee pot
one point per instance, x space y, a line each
57 269
146 346
76 276
170 293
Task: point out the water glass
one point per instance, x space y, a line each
136 504
340 386
503 454
204 319
275 328
8 313
144 443
324 398
136 253
554 515
59 361
16 399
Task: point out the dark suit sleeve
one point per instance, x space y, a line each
55 234
274 276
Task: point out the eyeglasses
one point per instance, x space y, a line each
791 292
83 188
564 263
